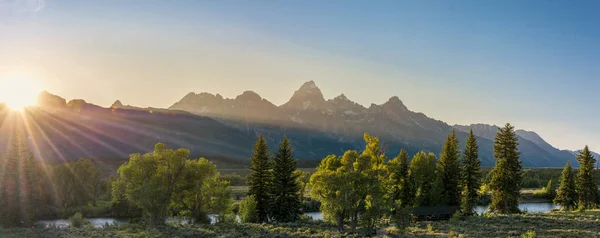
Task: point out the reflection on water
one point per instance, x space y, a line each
525 207
100 222
315 215
96 222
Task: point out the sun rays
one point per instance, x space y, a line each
19 92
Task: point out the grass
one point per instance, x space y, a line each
556 224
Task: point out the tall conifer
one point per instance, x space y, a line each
448 169
471 175
566 197
507 175
585 185
260 178
285 189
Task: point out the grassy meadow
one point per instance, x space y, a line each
554 224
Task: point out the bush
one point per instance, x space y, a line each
77 220
248 211
529 234
311 205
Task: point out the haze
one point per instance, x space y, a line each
532 63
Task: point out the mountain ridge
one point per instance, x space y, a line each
342 119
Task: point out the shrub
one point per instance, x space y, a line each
403 219
77 220
529 234
248 211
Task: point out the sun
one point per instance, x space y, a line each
19 92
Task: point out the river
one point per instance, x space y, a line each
100 222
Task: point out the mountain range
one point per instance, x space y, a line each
211 125
343 121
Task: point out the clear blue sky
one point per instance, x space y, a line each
535 64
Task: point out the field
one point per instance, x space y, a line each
555 224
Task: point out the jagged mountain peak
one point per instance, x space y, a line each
117 104
341 97
309 85
307 96
250 96
396 103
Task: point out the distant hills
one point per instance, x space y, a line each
211 125
342 122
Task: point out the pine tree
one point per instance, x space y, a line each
506 176
448 168
19 190
399 191
585 185
471 175
566 197
550 190
260 178
285 190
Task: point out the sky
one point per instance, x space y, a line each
535 64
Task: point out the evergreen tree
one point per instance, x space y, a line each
471 175
285 189
585 185
550 190
507 175
260 178
566 197
19 188
399 182
423 179
448 169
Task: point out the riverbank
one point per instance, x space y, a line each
554 224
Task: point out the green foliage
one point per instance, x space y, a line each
149 181
234 179
77 220
550 190
402 218
20 185
448 171
202 191
585 185
529 234
351 188
506 176
422 179
248 212
285 189
471 176
400 190
78 183
260 178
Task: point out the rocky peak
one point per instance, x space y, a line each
249 96
117 104
46 99
341 97
307 96
395 103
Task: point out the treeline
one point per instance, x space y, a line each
357 190
579 190
360 189
30 189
